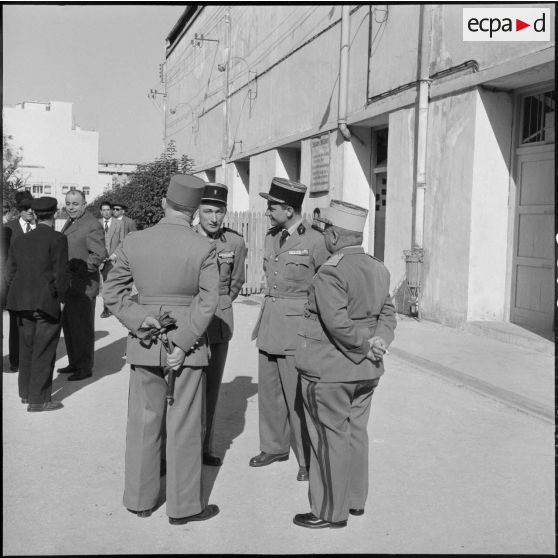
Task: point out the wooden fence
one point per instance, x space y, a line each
253 226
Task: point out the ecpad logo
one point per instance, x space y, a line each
506 24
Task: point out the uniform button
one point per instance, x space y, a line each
276 259
274 286
275 273
273 299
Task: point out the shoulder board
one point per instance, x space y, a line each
335 259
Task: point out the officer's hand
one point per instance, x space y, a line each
149 323
176 358
378 348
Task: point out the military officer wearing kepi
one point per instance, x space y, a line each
293 252
174 270
38 281
231 255
349 323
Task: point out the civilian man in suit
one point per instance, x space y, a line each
86 253
174 270
231 255
114 235
349 323
38 281
293 252
118 211
15 228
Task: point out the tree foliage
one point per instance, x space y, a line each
11 181
146 187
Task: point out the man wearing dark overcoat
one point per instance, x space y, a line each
348 324
114 235
38 281
15 228
293 252
174 270
231 256
86 253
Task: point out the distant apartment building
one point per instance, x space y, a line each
113 174
57 155
448 143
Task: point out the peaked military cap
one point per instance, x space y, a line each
285 191
185 190
344 215
215 192
44 204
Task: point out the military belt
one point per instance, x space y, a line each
267 292
171 300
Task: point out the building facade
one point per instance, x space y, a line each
113 174
57 156
450 144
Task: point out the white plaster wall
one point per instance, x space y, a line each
263 167
489 201
239 198
399 203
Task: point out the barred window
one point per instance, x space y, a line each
538 118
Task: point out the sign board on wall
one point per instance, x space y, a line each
319 151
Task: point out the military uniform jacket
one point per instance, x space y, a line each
348 303
175 270
86 252
231 256
288 272
36 271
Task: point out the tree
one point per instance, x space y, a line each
146 187
11 181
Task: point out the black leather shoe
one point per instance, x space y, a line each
106 313
67 370
211 511
24 400
267 458
302 474
312 522
48 406
356 511
80 375
141 513
211 460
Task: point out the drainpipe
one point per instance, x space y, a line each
226 105
344 73
422 128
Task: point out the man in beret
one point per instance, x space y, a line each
114 235
231 256
175 271
119 213
293 252
348 324
15 228
38 281
86 253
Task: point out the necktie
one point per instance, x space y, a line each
27 227
284 236
106 225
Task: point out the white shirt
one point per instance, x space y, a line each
23 225
107 222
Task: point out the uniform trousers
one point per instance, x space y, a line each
78 325
337 416
38 337
148 417
13 340
280 406
213 377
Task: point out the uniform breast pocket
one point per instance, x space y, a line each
297 268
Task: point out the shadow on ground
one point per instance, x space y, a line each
108 360
229 423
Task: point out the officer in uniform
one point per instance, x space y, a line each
38 281
293 252
348 324
231 255
174 270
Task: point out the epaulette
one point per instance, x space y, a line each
301 229
335 259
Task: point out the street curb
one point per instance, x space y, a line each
487 389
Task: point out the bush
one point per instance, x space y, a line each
145 188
